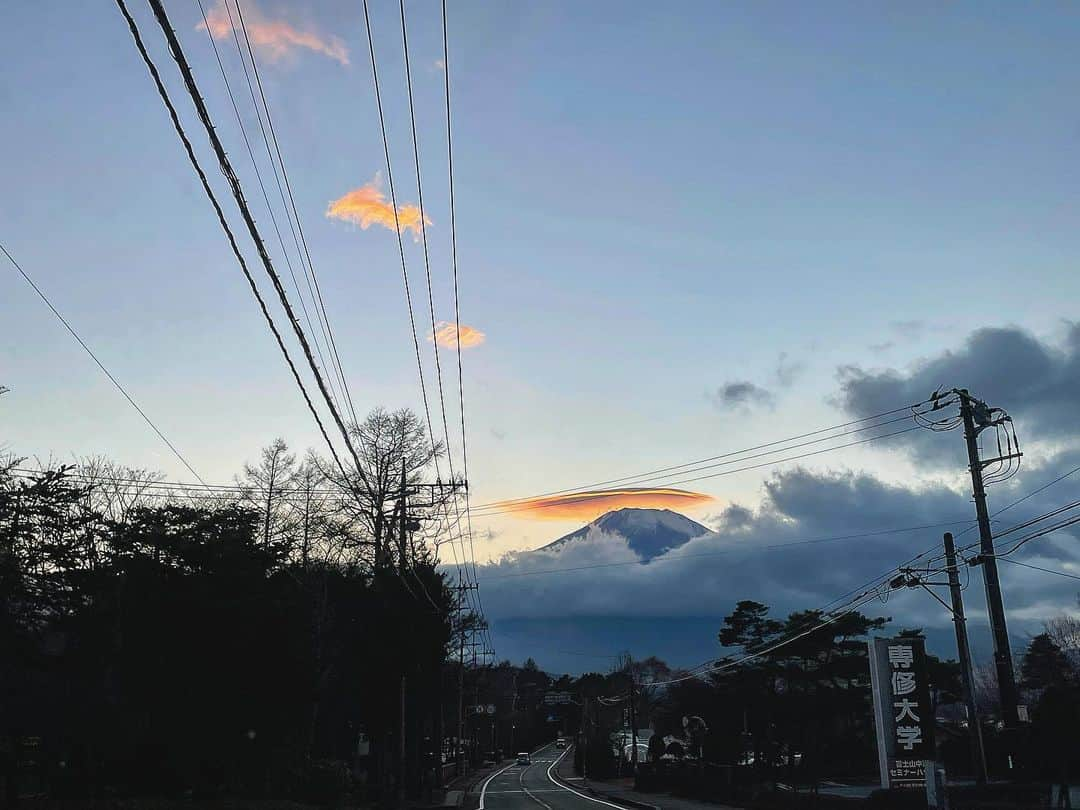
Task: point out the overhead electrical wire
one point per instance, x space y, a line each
427 262
707 669
1037 534
521 507
1038 568
181 61
312 276
729 454
722 552
258 173
457 298
398 230
116 383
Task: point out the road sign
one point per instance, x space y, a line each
903 713
557 698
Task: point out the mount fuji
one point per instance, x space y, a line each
648 532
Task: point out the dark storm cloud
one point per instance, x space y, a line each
740 395
1037 382
762 554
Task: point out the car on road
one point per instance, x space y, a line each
560 743
524 759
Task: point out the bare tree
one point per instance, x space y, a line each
1064 631
114 490
314 506
269 487
388 443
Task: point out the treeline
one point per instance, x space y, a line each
801 711
256 640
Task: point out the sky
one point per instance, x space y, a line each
682 229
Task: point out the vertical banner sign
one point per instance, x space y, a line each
903 713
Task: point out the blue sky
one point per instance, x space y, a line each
653 201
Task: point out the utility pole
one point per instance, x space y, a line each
976 417
403 522
633 719
583 737
460 752
978 753
402 526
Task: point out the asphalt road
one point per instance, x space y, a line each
533 787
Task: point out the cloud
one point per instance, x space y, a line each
588 505
1036 381
367 206
762 553
275 39
739 395
795 550
447 332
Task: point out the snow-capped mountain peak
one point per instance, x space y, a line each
648 532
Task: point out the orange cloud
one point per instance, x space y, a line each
447 332
591 504
367 206
276 39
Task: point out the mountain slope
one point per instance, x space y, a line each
648 532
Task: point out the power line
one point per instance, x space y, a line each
1035 492
226 168
100 365
238 195
1038 568
397 228
601 495
1067 507
772 647
722 552
1040 533
457 296
255 166
427 261
936 547
729 454
312 277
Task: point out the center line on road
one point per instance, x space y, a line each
484 787
521 781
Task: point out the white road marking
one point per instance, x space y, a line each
484 787
521 781
571 790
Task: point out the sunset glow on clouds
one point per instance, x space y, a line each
590 504
367 206
446 335
276 39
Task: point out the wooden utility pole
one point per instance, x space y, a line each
402 526
978 753
977 416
